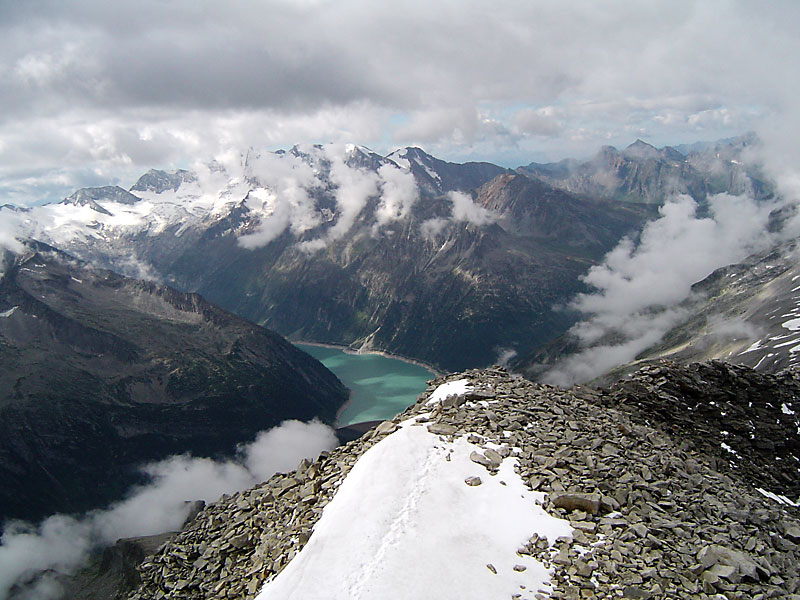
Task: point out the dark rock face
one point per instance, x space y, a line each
652 514
746 421
99 373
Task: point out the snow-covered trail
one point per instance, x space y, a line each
404 524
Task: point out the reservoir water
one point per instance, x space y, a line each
380 386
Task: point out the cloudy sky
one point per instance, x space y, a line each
97 92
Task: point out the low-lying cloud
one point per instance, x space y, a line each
639 286
290 181
399 193
61 543
463 210
9 231
287 181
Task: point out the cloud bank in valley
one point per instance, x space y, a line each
62 543
639 286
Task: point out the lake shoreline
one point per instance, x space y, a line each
347 350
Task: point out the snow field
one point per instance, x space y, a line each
404 524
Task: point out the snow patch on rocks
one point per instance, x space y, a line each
415 495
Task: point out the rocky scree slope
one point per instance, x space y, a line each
654 515
100 373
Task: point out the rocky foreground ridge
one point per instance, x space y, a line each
654 513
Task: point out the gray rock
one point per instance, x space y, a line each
634 591
793 533
493 456
442 429
715 555
387 427
480 459
589 503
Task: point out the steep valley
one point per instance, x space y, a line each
102 373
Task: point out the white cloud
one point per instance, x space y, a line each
458 124
354 187
399 193
10 230
537 122
157 84
287 180
287 202
640 286
433 227
62 543
465 210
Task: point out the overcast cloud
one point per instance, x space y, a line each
98 92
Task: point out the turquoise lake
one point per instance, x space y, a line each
380 386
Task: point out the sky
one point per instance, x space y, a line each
96 92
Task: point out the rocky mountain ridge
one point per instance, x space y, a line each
101 373
653 513
643 173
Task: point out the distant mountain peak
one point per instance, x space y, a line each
159 181
641 150
109 193
643 173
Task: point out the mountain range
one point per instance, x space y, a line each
450 264
643 173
